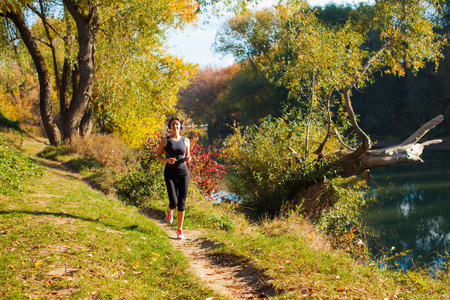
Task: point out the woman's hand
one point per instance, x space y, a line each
172 160
188 159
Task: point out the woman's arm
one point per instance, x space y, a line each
188 150
160 152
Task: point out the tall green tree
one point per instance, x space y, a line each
249 98
327 61
13 11
80 32
250 95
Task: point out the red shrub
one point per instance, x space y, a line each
205 171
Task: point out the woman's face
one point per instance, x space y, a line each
175 125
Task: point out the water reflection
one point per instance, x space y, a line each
414 210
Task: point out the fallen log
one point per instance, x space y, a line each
408 151
347 164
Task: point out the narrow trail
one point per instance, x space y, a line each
222 275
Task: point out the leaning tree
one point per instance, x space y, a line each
322 65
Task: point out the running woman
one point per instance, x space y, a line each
176 173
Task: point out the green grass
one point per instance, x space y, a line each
63 239
16 169
300 262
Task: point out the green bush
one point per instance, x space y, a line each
344 221
266 175
221 222
138 187
15 169
263 170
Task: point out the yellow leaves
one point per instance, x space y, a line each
398 70
37 264
143 94
185 10
16 104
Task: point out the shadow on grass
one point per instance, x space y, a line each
254 276
92 180
132 228
7 123
50 164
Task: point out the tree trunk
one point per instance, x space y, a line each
64 95
45 82
87 29
87 122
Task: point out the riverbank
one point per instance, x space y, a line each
65 239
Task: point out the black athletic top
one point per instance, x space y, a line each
176 149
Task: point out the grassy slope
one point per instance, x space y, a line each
61 238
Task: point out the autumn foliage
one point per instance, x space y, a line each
205 171
18 95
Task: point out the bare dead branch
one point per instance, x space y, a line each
423 130
432 142
296 155
342 142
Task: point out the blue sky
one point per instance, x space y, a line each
194 43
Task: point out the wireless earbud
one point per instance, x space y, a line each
170 123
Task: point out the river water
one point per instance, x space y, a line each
413 210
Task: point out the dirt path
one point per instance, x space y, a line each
222 275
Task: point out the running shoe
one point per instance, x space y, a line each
169 217
180 234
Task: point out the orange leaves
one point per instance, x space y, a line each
18 92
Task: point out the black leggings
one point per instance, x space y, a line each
177 183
